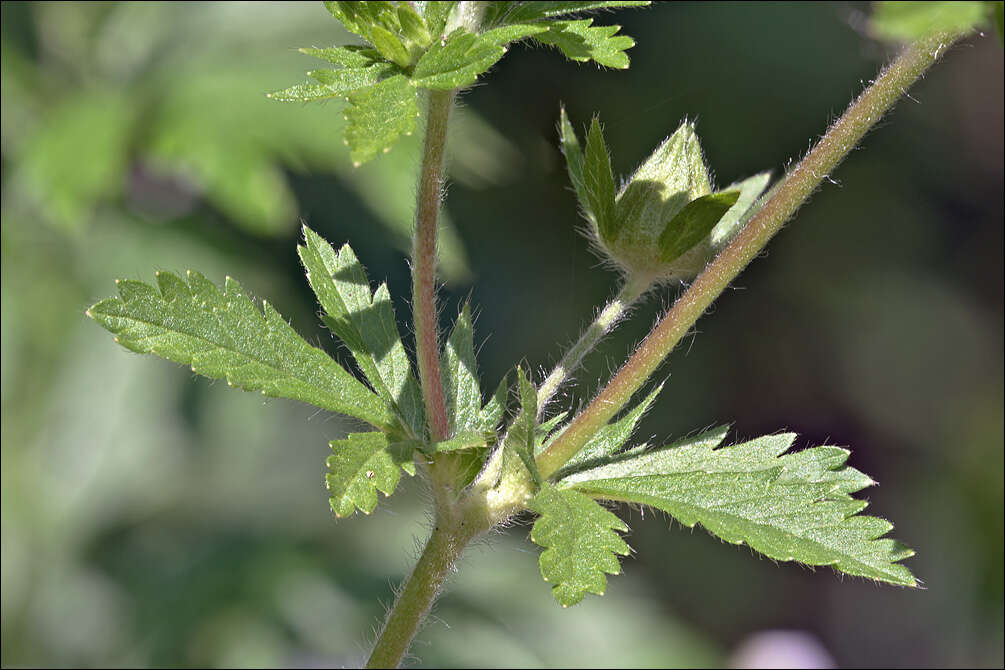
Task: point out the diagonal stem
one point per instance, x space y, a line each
607 318
796 189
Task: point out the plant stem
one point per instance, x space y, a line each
427 350
445 544
608 317
797 187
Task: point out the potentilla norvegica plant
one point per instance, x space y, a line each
489 456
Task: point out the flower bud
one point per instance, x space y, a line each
666 222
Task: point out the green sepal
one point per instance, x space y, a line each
495 407
520 438
598 180
694 223
742 210
377 116
574 162
222 334
363 464
580 540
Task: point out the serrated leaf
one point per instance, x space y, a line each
347 56
377 116
907 21
363 464
221 334
574 162
733 220
598 180
795 507
365 323
520 438
459 371
512 12
581 545
333 84
581 41
609 439
457 61
361 17
694 223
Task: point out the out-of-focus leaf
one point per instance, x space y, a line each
514 12
906 21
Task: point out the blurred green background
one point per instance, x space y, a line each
151 518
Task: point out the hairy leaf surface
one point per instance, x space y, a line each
795 507
582 41
365 323
513 12
378 115
598 180
459 371
363 464
458 60
221 334
581 545
694 222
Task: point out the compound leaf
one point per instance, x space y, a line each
458 60
333 83
581 41
795 507
221 334
378 115
363 464
365 323
581 545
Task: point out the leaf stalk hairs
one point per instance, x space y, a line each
489 458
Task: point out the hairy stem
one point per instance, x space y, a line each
797 187
608 317
445 544
427 348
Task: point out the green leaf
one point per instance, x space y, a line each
459 371
598 180
513 12
221 334
610 438
377 116
574 161
435 14
520 439
581 545
361 465
795 507
365 323
466 440
362 17
581 41
459 59
413 26
494 409
694 223
390 46
347 56
908 21
742 210
333 84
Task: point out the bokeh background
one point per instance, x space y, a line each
151 518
